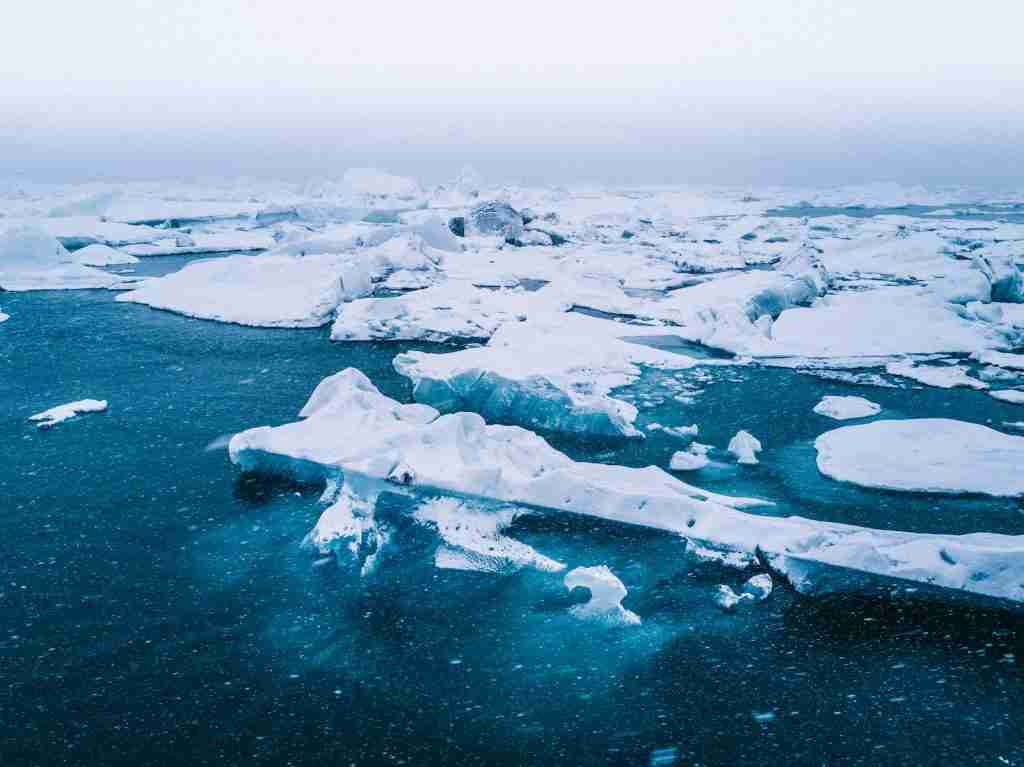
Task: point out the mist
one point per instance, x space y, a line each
805 93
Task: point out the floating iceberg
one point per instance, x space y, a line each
606 595
31 259
685 460
845 408
942 376
928 455
61 413
349 428
745 447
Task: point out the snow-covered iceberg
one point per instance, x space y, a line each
845 408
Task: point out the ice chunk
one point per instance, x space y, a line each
745 447
942 376
1005 278
1013 396
606 595
472 538
728 600
686 433
965 287
61 413
928 455
98 254
844 408
759 586
95 204
684 460
495 218
4 317
32 259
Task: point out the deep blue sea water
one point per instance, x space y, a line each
157 608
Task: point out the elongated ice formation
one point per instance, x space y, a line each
351 429
61 413
845 408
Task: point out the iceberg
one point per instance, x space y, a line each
925 455
32 259
744 446
61 413
686 460
606 595
1013 396
351 434
845 408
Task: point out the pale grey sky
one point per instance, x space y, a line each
795 91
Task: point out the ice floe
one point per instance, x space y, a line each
32 259
845 408
61 413
928 455
942 376
744 447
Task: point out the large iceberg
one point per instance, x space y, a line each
352 435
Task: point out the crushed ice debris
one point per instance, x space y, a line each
844 408
744 446
606 595
756 589
56 415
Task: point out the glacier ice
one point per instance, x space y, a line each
32 259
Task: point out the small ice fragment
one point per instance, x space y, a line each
745 446
728 600
56 415
759 587
606 595
763 716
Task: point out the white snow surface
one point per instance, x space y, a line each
928 455
61 413
845 408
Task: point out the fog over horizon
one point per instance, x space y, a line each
811 93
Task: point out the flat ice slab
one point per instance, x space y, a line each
845 408
61 413
927 455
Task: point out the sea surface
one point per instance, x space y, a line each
158 608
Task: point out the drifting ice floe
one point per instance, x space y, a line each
845 408
349 428
685 460
61 413
606 595
930 455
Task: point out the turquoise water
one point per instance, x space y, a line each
158 607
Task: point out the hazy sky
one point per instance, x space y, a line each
784 91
